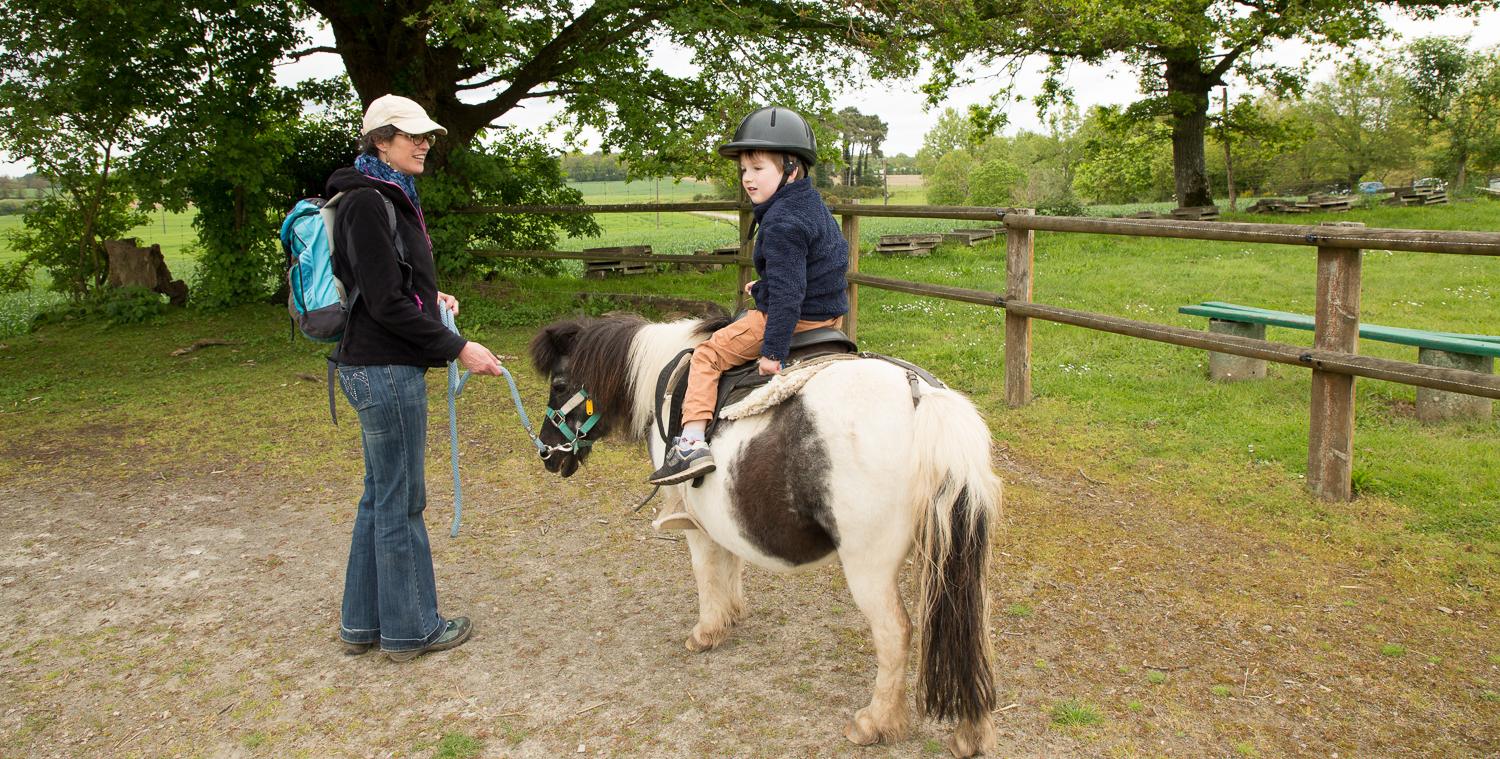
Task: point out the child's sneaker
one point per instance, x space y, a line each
685 461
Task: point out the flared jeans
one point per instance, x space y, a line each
390 595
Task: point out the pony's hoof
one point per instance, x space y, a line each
973 739
861 735
700 641
865 729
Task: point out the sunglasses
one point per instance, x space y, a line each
429 138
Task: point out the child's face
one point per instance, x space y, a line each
760 175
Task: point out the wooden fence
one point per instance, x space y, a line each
1332 359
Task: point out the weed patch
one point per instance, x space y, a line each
1075 713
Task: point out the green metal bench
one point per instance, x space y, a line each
1447 349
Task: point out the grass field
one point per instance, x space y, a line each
1099 392
1163 583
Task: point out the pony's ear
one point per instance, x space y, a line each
552 343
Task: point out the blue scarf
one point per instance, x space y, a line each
372 166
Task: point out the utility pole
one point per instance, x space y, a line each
1228 161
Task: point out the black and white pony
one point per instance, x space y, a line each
848 467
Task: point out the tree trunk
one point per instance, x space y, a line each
88 250
1188 88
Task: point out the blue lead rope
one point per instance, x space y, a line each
455 388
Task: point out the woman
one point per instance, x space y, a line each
394 334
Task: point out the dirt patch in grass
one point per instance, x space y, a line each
153 616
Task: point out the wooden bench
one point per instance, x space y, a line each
1474 353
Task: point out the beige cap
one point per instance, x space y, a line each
402 113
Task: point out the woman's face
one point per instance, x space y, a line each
406 153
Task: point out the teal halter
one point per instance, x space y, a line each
577 435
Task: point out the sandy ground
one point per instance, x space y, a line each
196 615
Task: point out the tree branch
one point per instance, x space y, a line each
483 84
300 54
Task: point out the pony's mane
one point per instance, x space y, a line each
617 358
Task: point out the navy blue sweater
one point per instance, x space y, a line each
801 257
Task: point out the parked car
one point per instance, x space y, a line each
1369 187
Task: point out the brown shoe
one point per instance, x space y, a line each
454 635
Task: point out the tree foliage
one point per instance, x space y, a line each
76 95
596 60
860 138
1457 94
1181 50
1359 119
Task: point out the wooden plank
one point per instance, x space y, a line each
1020 255
933 238
1404 372
959 237
570 255
1418 240
988 232
1330 447
747 249
707 205
851 236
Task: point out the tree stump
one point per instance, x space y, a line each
133 266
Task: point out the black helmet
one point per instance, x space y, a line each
774 129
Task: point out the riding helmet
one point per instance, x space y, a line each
774 129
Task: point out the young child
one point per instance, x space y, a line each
801 258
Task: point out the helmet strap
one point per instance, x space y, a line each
788 165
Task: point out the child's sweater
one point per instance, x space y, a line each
801 257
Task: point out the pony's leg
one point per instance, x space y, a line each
721 594
873 585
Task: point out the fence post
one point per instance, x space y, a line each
851 234
1019 255
746 248
1330 440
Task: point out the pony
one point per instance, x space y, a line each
865 464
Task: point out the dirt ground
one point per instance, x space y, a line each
195 614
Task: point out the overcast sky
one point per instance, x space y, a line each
901 106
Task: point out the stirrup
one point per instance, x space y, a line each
675 520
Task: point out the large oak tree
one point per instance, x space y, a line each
470 63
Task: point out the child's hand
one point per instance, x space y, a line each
448 301
769 366
749 285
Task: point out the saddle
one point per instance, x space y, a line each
736 383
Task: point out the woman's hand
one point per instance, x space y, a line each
478 359
749 285
769 366
448 301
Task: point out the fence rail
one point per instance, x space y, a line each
1332 359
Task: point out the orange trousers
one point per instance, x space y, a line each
731 346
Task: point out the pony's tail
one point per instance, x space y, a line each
957 502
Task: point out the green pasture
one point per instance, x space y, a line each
1121 409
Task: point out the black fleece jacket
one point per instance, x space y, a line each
801 257
391 323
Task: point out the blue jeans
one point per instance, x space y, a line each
389 591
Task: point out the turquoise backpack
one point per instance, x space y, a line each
318 303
